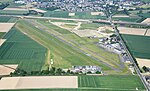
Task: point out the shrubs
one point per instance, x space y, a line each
53 71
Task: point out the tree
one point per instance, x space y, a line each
89 72
98 72
59 71
53 70
145 69
45 72
68 71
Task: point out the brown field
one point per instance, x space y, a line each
39 82
121 16
39 10
146 21
133 31
97 13
2 41
143 62
7 69
5 27
19 9
148 32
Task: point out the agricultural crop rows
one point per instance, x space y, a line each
5 19
20 49
138 45
110 82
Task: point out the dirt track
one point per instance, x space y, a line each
39 82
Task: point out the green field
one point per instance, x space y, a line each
87 15
145 15
20 49
13 12
2 34
138 45
113 82
14 5
78 15
6 19
126 19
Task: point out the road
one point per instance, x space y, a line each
84 20
130 56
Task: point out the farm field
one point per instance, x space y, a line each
7 19
113 82
87 15
132 31
137 11
5 27
102 83
126 19
80 15
13 12
20 49
2 34
143 62
15 9
138 45
34 82
145 15
147 20
64 55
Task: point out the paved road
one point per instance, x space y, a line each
131 58
121 22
